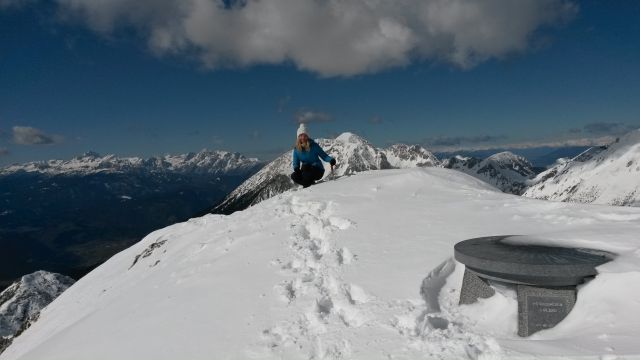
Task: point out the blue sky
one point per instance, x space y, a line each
156 79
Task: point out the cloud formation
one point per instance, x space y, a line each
7 4
441 141
592 141
283 103
328 37
375 120
608 128
308 117
26 135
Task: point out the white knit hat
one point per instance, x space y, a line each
302 129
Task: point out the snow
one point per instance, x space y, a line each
25 298
356 268
588 177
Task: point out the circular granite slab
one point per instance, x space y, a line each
494 258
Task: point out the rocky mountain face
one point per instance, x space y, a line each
352 153
601 175
402 156
506 171
68 216
21 303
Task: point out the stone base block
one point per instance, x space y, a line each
542 308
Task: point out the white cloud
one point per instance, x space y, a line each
596 141
329 37
25 135
375 120
308 117
6 4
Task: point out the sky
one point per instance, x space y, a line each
154 77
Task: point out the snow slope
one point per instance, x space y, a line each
360 267
589 177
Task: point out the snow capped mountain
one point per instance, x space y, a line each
352 153
20 303
506 171
358 268
271 180
601 175
402 156
204 162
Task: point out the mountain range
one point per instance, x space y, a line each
584 178
353 154
506 171
68 216
358 268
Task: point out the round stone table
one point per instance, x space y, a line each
494 257
545 277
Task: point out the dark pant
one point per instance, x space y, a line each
307 175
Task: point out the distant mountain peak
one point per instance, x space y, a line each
350 137
89 154
505 156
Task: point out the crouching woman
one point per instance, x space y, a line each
307 156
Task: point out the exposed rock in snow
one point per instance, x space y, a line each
21 303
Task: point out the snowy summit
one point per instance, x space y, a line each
356 268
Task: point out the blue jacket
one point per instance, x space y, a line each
311 157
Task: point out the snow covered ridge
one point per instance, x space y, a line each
206 162
506 171
602 175
21 303
357 268
352 153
